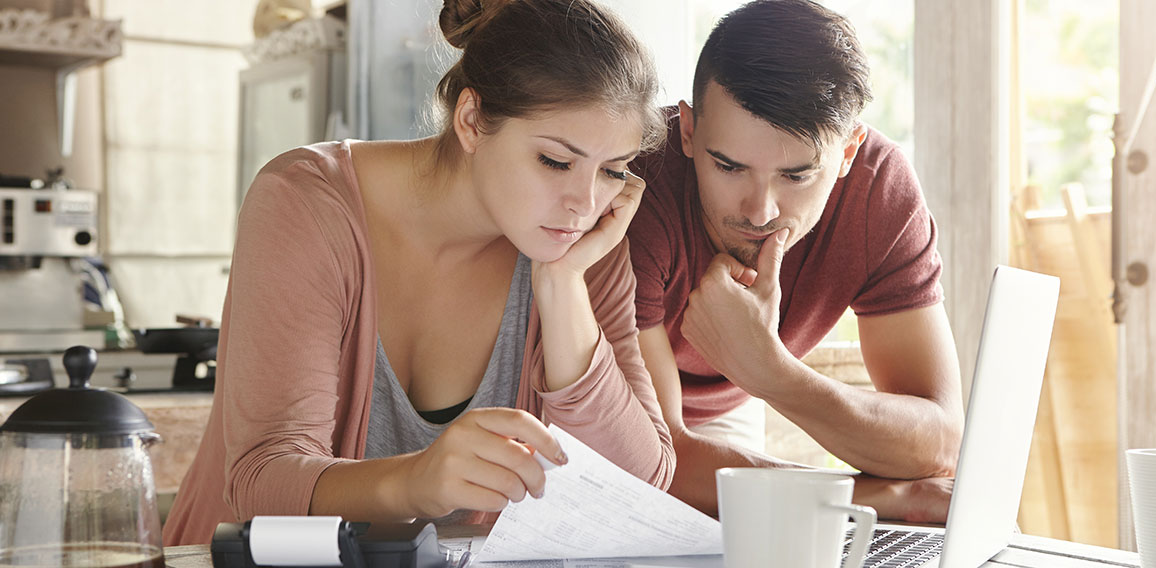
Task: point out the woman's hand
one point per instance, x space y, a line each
606 233
569 329
481 462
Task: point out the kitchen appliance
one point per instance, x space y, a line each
41 302
329 541
292 94
24 376
196 366
76 481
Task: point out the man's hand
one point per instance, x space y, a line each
920 501
732 317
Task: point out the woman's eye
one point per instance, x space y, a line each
553 164
725 168
615 174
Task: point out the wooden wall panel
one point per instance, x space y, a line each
961 137
1070 490
1136 184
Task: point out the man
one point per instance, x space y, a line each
769 212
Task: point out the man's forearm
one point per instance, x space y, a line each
698 457
922 500
884 434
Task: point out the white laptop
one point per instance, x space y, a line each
997 435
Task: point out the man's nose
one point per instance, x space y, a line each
760 207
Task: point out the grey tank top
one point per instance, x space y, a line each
394 425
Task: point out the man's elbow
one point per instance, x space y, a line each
944 460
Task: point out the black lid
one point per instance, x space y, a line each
78 408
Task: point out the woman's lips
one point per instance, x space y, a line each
563 235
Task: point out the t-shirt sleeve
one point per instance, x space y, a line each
903 265
651 252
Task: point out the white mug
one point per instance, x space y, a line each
1142 486
789 518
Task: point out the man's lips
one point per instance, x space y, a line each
753 236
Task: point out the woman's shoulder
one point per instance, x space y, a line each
323 164
320 176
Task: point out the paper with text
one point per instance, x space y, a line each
594 509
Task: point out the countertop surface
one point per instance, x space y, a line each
1025 552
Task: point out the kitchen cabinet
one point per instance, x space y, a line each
29 38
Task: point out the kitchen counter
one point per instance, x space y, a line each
179 417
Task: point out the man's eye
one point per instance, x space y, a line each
725 168
796 178
553 164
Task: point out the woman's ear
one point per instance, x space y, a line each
467 120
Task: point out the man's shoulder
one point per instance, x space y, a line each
882 175
878 151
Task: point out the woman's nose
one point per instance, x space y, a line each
580 199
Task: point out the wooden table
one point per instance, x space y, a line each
1025 552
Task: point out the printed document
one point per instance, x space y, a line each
594 509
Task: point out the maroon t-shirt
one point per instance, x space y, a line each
873 249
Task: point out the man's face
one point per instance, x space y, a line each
754 179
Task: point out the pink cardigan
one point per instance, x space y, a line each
298 343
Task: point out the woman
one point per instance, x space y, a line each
403 316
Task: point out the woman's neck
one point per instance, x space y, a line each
442 214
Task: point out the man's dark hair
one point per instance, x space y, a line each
792 63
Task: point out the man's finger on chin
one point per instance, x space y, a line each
771 258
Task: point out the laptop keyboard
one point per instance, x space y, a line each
898 549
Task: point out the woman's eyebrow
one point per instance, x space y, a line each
623 158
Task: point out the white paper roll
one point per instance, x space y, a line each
295 541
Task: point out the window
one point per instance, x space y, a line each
1069 88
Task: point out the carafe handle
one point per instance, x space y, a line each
79 362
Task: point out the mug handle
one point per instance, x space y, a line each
864 530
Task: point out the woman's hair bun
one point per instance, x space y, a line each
460 18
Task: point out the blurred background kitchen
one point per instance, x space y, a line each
130 129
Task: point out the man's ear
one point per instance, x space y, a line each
686 128
467 120
851 149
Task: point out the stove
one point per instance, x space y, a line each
126 371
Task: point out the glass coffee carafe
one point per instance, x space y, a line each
76 482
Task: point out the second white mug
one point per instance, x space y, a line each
789 518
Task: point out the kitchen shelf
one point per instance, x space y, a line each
65 45
51 56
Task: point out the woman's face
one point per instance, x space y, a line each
547 180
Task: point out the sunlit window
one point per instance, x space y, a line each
1069 83
886 31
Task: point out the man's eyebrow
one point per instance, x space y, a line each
723 158
800 169
623 158
736 164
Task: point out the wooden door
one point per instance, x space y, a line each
1134 242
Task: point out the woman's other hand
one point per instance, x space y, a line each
607 232
483 461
